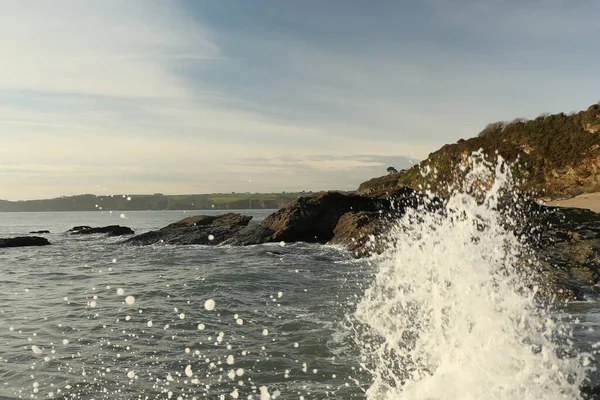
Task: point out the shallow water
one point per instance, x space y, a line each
281 323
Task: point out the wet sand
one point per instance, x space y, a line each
590 201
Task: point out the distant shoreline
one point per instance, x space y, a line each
155 202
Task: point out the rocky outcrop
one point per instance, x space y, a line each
553 156
359 232
24 241
111 230
231 229
568 249
328 217
314 218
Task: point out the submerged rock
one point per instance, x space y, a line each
229 229
111 230
23 241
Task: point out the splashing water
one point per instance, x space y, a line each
452 312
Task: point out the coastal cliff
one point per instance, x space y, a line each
553 156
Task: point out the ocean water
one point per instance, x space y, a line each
440 316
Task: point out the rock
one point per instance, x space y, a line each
214 220
249 235
314 218
229 229
568 246
40 232
23 241
357 231
111 230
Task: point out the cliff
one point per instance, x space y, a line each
558 157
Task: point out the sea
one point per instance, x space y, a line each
444 314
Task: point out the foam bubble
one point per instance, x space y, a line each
209 304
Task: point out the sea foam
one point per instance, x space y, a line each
452 312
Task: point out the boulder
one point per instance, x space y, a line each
23 241
111 230
358 232
40 232
314 218
231 229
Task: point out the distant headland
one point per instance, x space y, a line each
157 201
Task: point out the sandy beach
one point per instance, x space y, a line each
590 201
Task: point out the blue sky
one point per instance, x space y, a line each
145 96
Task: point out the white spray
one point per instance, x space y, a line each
452 314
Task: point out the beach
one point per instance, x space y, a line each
590 201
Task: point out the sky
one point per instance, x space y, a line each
192 96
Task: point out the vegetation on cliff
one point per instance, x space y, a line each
556 156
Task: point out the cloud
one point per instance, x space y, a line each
108 48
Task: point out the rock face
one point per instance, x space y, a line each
229 229
313 219
23 241
111 230
569 251
357 230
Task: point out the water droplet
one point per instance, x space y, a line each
209 304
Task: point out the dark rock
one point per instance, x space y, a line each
249 235
79 228
567 244
39 232
359 232
23 241
229 229
111 230
313 218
